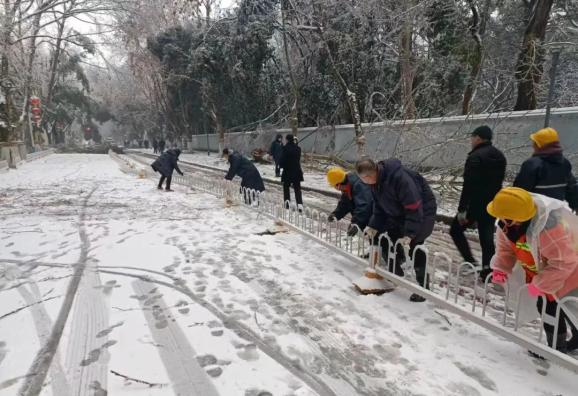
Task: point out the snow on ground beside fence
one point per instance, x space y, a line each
172 276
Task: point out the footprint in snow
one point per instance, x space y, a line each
109 330
183 307
98 389
215 372
206 360
257 392
249 353
3 350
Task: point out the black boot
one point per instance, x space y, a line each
484 273
561 343
572 343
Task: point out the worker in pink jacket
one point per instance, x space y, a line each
541 234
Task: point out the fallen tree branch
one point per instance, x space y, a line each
27 306
443 316
126 377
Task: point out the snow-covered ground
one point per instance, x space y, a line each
178 295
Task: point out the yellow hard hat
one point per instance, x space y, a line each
545 136
336 176
512 203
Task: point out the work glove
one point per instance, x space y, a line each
352 230
405 240
534 291
462 218
499 277
370 232
331 218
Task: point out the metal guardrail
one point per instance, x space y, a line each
333 235
333 194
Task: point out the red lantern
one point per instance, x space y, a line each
36 110
35 101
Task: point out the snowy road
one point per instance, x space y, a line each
109 286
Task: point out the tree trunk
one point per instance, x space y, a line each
294 116
530 62
477 30
54 64
351 101
407 71
28 76
5 82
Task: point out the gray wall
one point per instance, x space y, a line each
434 142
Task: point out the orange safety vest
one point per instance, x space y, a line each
524 255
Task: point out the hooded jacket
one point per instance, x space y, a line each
167 163
403 202
549 173
357 200
246 170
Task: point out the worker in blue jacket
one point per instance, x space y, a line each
356 199
404 206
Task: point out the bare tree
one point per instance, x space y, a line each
530 62
477 30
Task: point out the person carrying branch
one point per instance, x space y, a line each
541 234
356 199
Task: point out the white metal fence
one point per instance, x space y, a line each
447 284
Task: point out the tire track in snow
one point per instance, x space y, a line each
43 324
39 369
242 331
86 354
177 354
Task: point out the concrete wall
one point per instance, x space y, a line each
434 142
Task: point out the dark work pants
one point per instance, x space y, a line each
248 196
168 185
551 311
419 262
277 169
486 230
296 188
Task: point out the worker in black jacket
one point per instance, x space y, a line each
484 174
356 198
404 206
245 169
292 173
548 172
276 150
